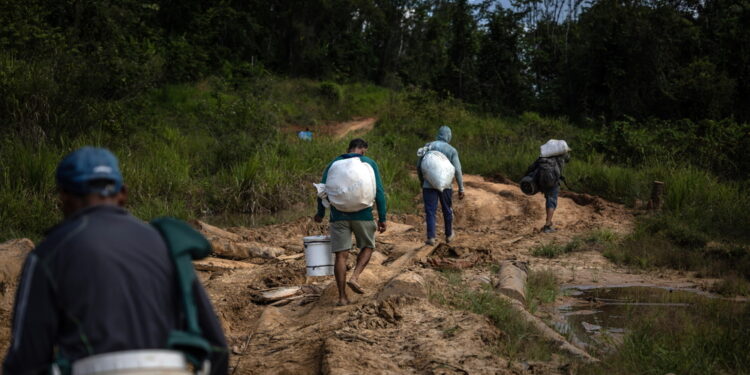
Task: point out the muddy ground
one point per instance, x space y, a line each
393 328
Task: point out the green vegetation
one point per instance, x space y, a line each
549 250
600 62
601 240
707 337
203 150
668 240
541 287
732 285
217 150
520 340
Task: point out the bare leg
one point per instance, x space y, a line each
362 259
550 212
339 270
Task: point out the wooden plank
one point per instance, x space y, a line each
219 264
276 294
415 252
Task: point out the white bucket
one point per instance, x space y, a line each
133 362
318 255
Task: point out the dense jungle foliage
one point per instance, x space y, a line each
595 61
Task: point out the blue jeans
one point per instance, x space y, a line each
431 198
551 196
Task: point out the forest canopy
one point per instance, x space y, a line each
597 61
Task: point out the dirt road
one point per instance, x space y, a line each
337 130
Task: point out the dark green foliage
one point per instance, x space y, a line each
667 241
332 92
605 61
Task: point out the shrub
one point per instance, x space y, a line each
332 92
541 287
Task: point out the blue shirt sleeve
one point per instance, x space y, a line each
457 165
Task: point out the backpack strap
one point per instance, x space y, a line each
185 244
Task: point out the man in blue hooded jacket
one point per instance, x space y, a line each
431 195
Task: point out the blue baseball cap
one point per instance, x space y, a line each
79 168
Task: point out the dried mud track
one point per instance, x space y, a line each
393 328
337 130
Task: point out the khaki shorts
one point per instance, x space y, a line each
341 234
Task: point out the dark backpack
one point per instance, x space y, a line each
547 173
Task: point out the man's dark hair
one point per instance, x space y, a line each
357 143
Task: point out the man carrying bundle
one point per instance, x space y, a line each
351 183
545 175
438 164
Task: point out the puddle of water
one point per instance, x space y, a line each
597 318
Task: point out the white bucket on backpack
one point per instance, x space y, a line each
135 362
554 147
437 170
350 186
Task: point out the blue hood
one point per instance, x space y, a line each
444 134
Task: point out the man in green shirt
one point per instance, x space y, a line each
361 223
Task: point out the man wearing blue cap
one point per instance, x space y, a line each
102 281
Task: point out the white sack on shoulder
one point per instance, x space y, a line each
321 188
438 170
554 147
350 185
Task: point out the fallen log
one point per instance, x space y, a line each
283 295
286 301
512 281
244 250
291 257
549 333
211 231
219 264
276 294
416 253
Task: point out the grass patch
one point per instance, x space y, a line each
549 250
600 239
520 339
541 287
708 337
667 241
732 285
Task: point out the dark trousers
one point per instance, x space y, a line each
431 198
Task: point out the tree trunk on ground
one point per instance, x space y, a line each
512 281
